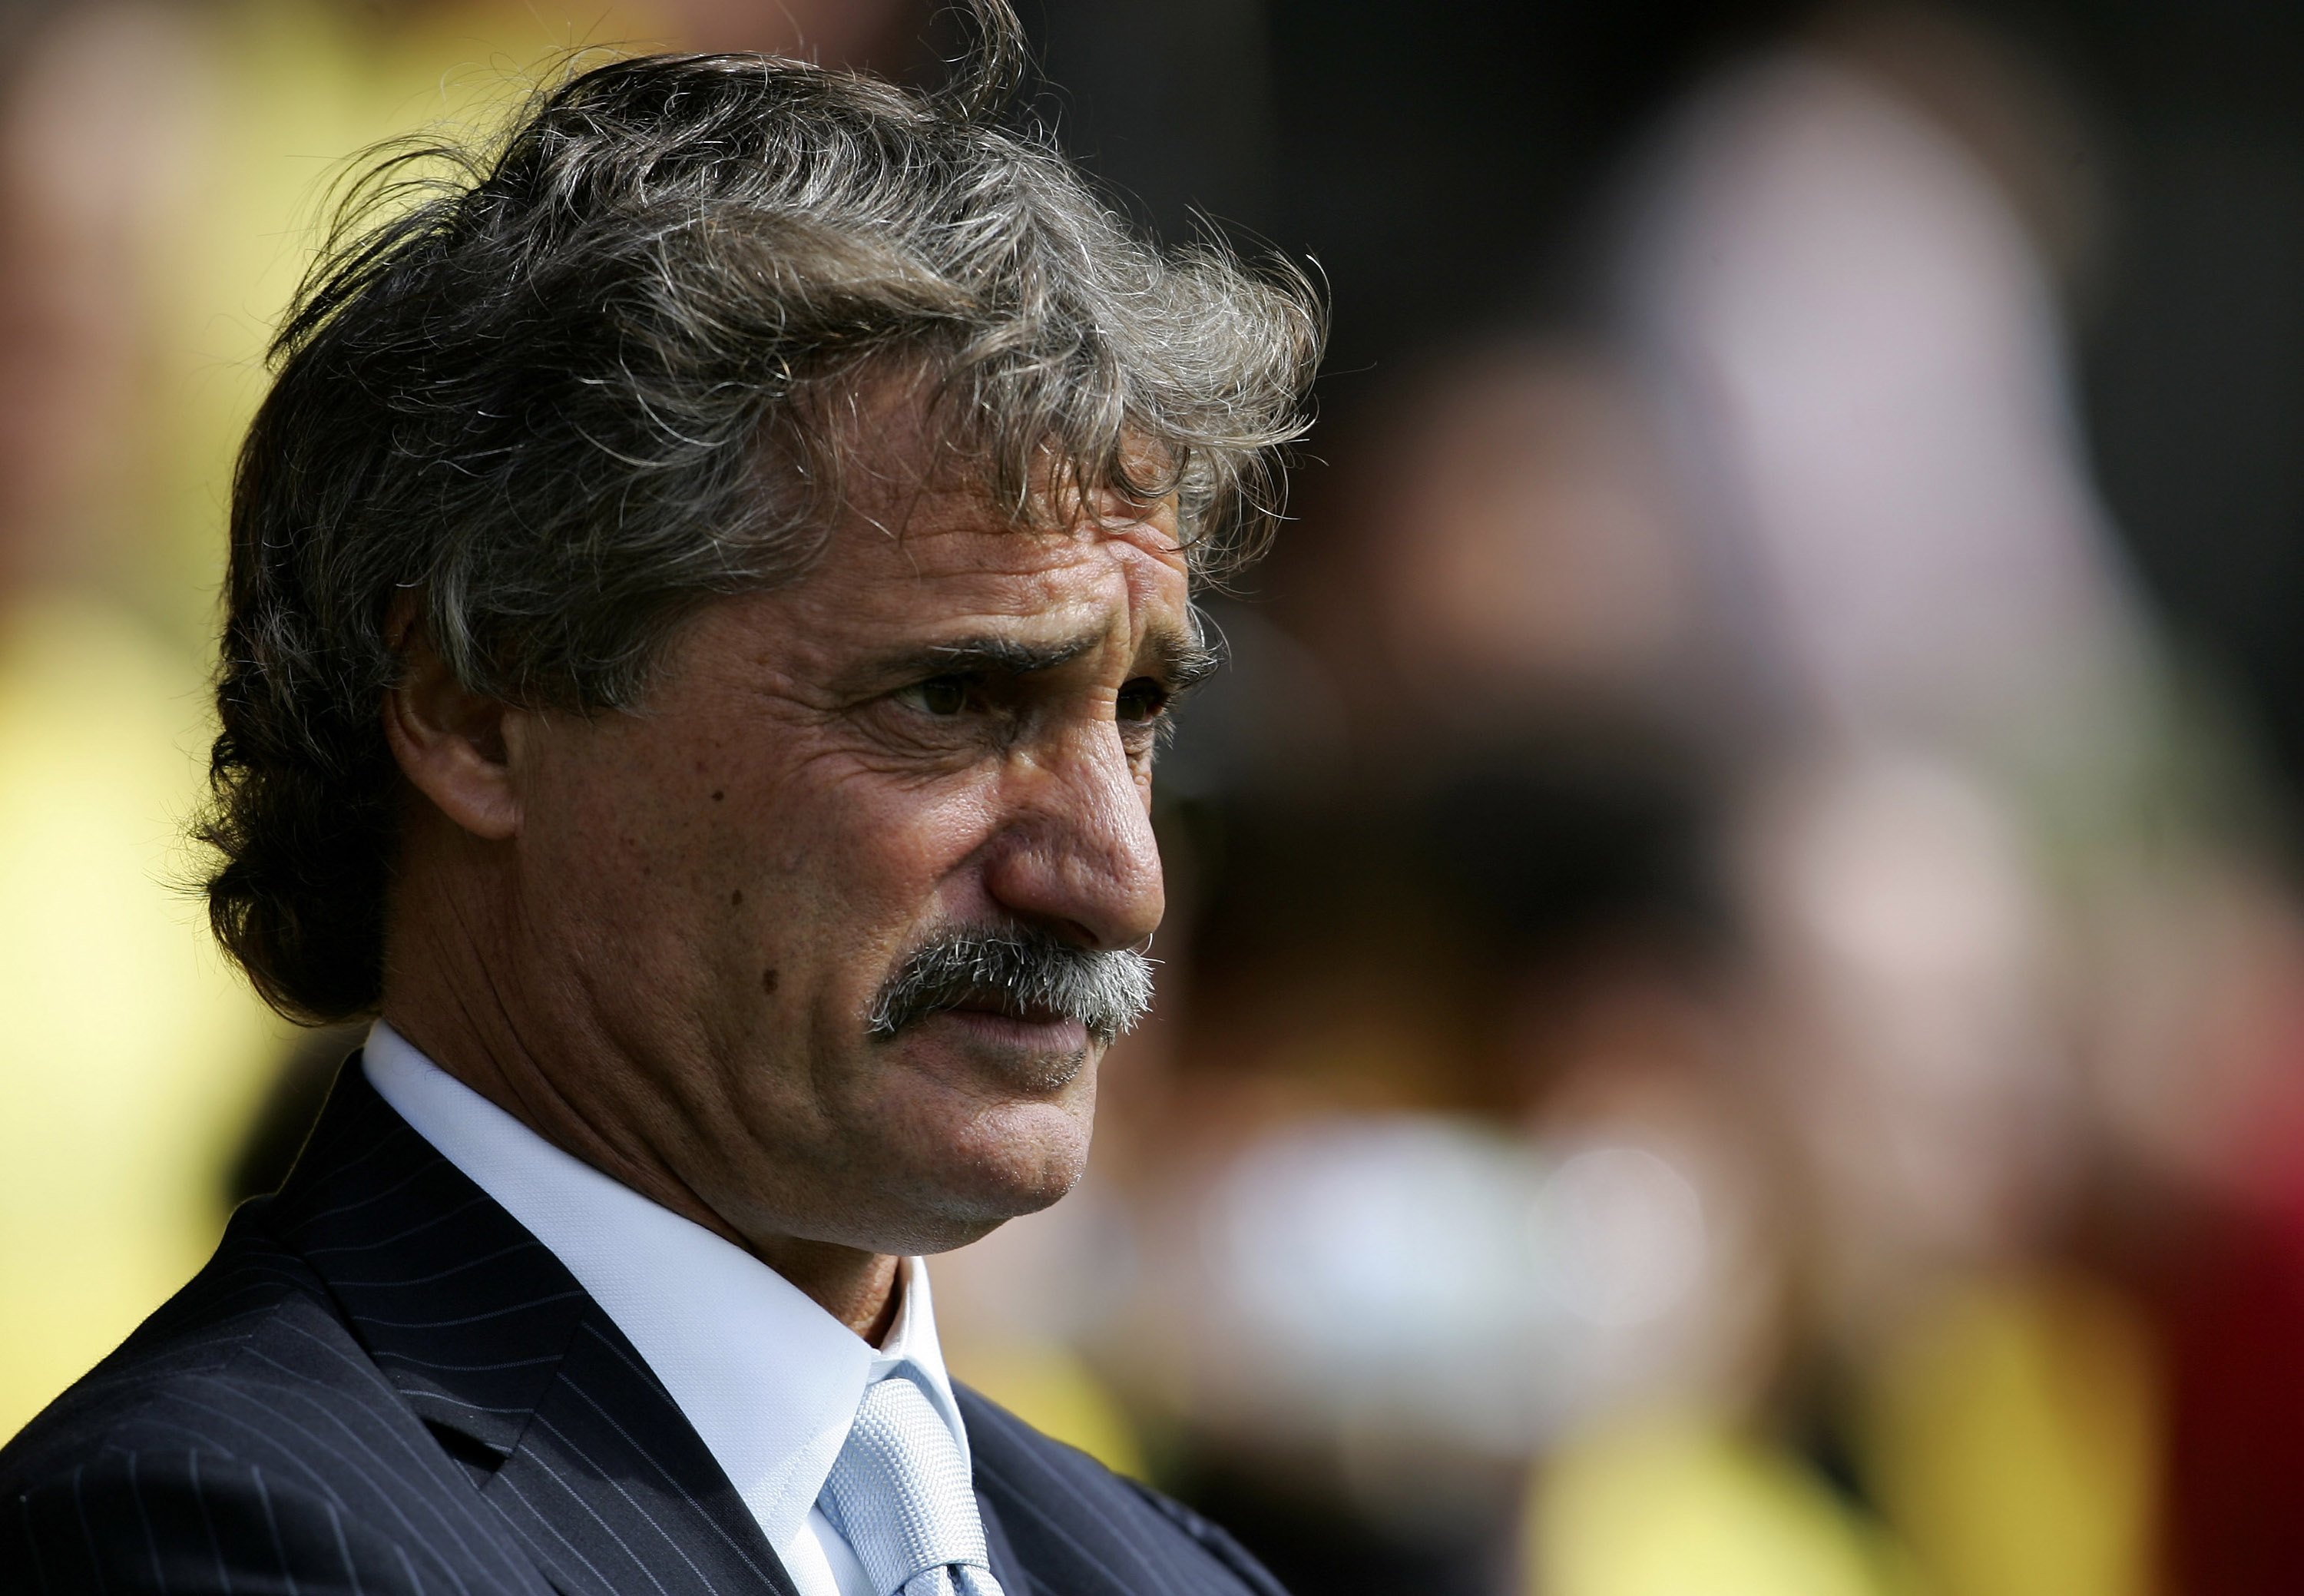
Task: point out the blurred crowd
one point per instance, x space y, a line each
1732 1011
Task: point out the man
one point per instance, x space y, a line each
708 585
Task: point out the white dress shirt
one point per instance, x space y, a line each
768 1379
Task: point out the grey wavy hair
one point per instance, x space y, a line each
561 390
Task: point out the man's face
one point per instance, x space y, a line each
948 724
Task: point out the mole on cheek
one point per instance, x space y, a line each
736 897
717 797
768 980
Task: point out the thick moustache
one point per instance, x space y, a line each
1017 977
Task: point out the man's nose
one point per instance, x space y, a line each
1079 854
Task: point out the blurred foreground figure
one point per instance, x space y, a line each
708 583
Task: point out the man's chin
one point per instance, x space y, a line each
992 1194
976 1160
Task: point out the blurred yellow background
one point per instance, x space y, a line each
163 170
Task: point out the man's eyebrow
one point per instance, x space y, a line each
1183 660
988 655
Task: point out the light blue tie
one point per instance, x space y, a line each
900 1495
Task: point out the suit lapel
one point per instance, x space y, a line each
514 1369
615 1500
1064 1524
1067 1524
1001 1552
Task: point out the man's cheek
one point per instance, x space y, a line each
912 835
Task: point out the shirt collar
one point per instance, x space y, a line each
769 1381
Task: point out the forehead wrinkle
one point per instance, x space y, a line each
913 513
1014 600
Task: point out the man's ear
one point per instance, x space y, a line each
451 744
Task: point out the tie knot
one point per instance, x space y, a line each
900 1491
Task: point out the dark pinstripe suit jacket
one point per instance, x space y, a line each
382 1384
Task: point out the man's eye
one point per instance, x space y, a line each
941 696
1141 700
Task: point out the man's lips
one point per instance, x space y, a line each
1034 1027
1006 1008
